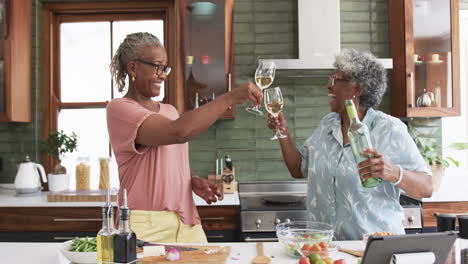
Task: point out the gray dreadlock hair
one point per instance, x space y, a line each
130 49
363 69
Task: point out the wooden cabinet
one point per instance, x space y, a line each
424 45
208 51
431 209
15 61
45 224
221 223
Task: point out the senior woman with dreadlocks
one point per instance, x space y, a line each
149 140
335 193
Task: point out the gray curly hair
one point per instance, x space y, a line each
130 49
363 69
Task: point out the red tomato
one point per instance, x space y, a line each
324 246
304 260
316 247
340 261
306 247
307 236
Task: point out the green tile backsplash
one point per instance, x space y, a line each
262 28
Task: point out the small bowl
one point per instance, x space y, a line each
78 257
294 235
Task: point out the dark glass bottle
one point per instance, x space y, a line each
125 239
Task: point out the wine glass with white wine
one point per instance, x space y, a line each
264 76
274 105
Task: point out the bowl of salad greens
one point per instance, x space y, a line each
301 238
80 250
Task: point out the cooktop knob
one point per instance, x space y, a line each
287 220
277 221
258 222
411 219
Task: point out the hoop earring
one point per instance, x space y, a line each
354 96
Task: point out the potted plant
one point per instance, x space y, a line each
434 159
57 145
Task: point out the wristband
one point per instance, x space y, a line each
400 176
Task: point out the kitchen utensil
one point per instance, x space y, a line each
356 253
202 255
27 180
260 258
141 243
80 196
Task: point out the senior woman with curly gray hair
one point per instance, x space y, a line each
335 192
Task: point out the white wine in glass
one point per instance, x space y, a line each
264 76
274 105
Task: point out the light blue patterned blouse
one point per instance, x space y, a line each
335 193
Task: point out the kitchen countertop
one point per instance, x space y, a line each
241 253
8 198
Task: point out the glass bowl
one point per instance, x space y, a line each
304 237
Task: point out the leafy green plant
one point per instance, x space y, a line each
57 145
430 155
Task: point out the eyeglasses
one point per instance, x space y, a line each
158 67
333 78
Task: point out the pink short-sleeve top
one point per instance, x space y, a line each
157 178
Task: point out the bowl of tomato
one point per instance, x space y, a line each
303 238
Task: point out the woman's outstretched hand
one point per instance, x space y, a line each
247 92
279 121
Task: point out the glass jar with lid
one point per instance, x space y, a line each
104 181
82 174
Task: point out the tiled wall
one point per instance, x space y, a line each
265 28
262 28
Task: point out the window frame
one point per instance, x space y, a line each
53 14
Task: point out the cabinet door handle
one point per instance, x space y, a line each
260 239
215 236
77 220
6 15
63 238
229 86
213 218
411 76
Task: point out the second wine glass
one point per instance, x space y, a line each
274 104
264 76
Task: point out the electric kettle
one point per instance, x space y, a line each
27 179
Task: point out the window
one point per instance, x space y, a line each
81 83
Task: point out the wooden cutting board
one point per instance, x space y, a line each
79 196
218 255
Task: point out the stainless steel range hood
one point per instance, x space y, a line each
319 36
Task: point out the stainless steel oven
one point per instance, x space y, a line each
266 204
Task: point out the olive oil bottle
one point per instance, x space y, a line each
358 136
125 239
105 236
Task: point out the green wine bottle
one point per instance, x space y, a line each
358 136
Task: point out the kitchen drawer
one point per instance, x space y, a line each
52 219
42 236
219 217
222 236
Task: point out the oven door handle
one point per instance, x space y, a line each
269 239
